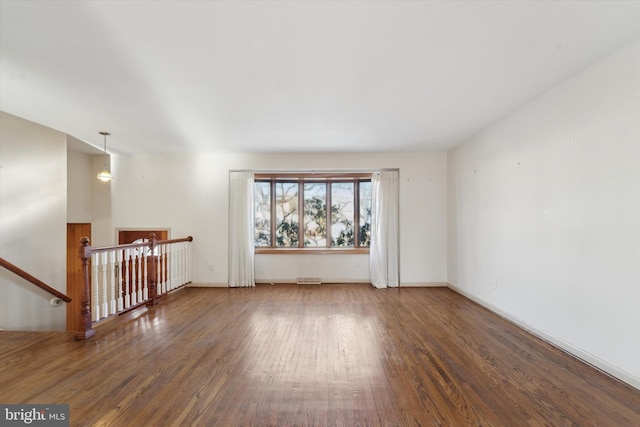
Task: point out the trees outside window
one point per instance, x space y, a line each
286 214
365 213
342 214
336 211
262 201
315 214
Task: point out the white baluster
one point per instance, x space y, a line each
184 260
126 281
156 255
178 256
159 280
113 280
167 268
175 265
95 285
119 282
105 286
167 251
139 274
145 276
188 263
163 254
170 284
180 264
134 276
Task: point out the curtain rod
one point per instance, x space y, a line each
294 171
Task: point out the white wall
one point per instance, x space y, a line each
102 233
189 194
544 215
79 182
33 215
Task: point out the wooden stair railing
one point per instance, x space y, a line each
29 278
125 277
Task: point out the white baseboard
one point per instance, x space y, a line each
346 281
208 285
323 281
264 282
423 284
333 281
556 342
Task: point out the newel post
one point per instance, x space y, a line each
153 274
85 330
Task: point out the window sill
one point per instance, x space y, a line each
311 251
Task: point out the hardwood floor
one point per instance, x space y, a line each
316 355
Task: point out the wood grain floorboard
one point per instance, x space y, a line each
327 355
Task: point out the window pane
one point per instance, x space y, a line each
262 201
315 214
281 203
365 213
342 232
286 214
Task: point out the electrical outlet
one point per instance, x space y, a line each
494 284
211 268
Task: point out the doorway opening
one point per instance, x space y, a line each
126 235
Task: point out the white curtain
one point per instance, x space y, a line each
241 226
384 249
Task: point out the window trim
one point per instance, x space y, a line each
309 177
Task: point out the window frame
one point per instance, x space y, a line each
301 179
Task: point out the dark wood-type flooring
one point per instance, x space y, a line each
314 355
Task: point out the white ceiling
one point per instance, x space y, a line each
304 76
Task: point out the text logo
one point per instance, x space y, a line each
34 415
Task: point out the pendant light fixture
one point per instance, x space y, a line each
105 175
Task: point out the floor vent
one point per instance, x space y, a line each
308 281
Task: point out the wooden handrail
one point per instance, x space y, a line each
140 245
127 246
29 278
184 239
